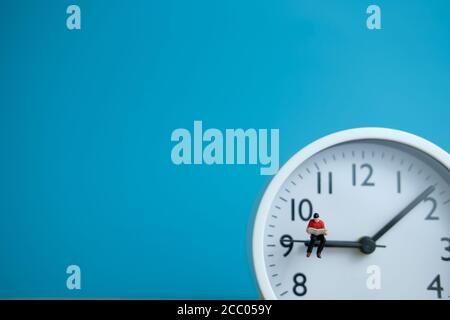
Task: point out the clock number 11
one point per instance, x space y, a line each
319 182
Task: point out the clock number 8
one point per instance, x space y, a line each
299 284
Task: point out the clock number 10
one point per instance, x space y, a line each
304 209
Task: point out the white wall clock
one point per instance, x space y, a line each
384 196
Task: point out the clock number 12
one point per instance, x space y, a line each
366 182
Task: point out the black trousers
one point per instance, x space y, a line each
322 240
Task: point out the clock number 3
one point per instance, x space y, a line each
447 248
299 282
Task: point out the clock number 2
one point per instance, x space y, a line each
299 282
366 182
433 208
436 286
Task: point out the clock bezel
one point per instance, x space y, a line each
390 135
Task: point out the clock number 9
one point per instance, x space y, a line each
302 204
299 284
286 241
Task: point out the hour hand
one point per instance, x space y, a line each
365 244
340 244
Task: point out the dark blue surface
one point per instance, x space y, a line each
86 116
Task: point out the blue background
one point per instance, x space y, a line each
86 116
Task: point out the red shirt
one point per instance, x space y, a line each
316 225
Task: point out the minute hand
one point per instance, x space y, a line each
404 212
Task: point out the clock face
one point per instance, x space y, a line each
391 192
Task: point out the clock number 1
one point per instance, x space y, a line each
299 282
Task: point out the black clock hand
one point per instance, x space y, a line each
403 213
340 244
287 240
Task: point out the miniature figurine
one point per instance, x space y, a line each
316 228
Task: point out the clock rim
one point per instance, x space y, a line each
368 133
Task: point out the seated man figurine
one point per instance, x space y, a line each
316 228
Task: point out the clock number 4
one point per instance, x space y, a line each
366 182
299 288
435 285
